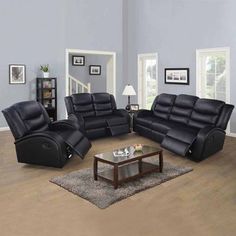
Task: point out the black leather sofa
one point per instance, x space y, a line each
186 125
97 114
40 141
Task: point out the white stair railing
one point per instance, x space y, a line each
76 86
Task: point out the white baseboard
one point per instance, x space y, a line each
231 135
4 128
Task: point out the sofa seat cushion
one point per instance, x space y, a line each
116 120
145 121
104 121
94 122
161 125
183 133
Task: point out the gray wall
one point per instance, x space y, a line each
98 82
99 27
33 34
175 29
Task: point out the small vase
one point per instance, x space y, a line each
45 74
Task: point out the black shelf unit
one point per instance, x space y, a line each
47 95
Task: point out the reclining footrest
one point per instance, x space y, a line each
118 127
179 141
76 141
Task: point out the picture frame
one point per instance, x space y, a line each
17 74
78 60
134 107
95 70
178 76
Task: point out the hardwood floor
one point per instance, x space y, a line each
202 202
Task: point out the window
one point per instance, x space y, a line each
213 73
147 79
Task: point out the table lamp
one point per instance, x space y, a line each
129 91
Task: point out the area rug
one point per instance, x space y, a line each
102 193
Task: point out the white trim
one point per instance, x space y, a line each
155 54
4 128
220 49
84 86
231 135
106 53
198 81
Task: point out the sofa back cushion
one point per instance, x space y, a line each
182 108
206 112
162 105
83 104
104 103
26 117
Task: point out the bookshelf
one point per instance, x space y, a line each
47 95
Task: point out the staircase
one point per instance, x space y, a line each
75 86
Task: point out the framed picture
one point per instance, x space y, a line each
177 76
17 74
134 107
94 70
78 60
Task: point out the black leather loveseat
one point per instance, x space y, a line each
186 125
97 114
40 141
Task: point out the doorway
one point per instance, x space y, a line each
74 85
147 79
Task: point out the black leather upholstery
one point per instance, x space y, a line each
40 141
97 114
182 108
205 112
162 105
185 124
82 104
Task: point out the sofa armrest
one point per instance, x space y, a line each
143 113
122 112
204 132
47 135
209 140
61 124
77 118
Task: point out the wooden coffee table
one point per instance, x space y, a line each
128 168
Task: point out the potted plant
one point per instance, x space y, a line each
45 70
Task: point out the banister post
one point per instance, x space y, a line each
89 87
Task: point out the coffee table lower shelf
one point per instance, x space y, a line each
128 172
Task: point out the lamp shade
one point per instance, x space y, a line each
129 90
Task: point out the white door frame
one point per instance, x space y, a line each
140 72
198 76
112 89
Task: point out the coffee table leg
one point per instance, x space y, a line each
115 176
140 166
95 169
161 161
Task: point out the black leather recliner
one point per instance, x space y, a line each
40 141
97 114
186 125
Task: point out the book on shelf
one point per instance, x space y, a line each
47 94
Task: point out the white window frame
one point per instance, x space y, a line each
198 74
140 83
